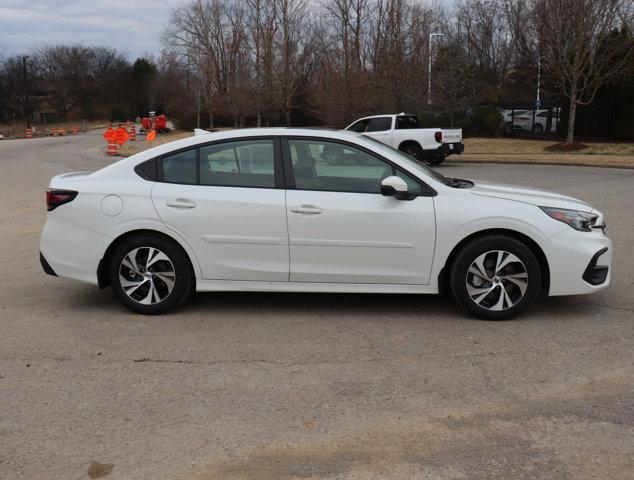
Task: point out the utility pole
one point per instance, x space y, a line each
26 101
431 37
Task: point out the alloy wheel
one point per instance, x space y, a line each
147 275
497 280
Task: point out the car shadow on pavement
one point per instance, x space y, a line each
326 303
377 306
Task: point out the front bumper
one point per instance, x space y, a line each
580 262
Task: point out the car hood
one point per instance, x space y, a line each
534 196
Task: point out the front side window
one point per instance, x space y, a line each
180 167
379 124
243 163
336 167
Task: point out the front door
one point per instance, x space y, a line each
231 209
342 230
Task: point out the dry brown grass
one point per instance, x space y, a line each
513 150
18 130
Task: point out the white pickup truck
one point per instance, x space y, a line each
403 131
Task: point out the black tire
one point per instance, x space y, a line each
462 281
156 277
413 150
539 128
437 160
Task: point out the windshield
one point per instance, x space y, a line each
413 164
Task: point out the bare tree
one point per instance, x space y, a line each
294 45
577 42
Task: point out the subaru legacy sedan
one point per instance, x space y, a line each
264 210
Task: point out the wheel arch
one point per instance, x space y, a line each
413 142
443 277
102 268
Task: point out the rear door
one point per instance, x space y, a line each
381 129
227 200
342 230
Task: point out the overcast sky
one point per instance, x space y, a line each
133 26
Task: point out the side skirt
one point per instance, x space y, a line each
248 286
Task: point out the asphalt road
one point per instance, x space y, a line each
291 386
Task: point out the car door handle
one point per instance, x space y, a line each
180 204
307 209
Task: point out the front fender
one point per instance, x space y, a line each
455 224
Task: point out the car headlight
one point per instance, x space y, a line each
582 221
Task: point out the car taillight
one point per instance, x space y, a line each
56 197
438 137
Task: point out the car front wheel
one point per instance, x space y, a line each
150 274
495 277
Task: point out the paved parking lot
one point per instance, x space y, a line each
290 386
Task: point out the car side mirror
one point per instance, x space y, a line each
394 187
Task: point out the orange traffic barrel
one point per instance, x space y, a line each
29 133
54 132
75 130
112 147
132 133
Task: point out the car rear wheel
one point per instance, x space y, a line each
495 277
413 150
150 274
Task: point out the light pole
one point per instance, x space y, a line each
26 102
431 37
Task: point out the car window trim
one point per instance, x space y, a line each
278 169
426 190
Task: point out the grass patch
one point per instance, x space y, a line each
515 150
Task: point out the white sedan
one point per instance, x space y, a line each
263 210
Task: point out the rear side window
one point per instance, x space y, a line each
379 124
147 170
180 167
245 163
406 122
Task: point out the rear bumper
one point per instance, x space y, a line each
71 251
453 148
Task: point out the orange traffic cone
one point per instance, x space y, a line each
132 133
29 133
112 147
